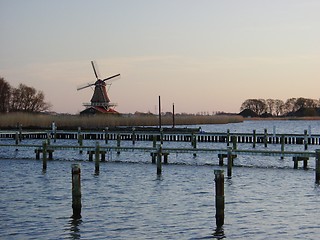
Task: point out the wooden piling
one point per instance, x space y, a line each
317 165
44 155
80 141
229 154
228 137
234 142
133 136
254 140
97 160
118 142
194 143
106 136
76 191
219 188
305 140
159 164
265 139
17 140
154 141
282 145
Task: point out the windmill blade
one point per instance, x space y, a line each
85 86
117 75
94 69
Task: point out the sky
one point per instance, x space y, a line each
203 56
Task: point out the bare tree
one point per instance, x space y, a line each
5 92
258 106
28 99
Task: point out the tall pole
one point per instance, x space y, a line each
173 119
160 112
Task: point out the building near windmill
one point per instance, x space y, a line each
100 102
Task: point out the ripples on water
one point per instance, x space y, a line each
127 200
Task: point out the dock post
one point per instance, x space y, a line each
274 135
305 140
295 162
230 160
76 191
159 164
54 131
106 136
194 144
228 137
254 140
48 138
44 155
282 146
97 160
154 142
118 142
234 142
17 140
133 136
317 166
161 135
265 139
20 132
219 188
80 141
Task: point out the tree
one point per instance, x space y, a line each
5 92
275 106
258 106
28 99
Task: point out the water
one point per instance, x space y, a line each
265 199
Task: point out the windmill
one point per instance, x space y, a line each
100 101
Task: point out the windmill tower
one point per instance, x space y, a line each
100 102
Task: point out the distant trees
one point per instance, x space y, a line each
277 107
22 98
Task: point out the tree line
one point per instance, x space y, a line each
277 107
21 99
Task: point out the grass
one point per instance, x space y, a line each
43 121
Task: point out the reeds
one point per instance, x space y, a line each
44 121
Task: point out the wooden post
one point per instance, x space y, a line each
228 137
219 187
160 124
106 136
265 138
20 132
173 117
161 135
229 162
54 131
295 162
154 142
282 146
159 164
44 155
76 191
305 140
254 141
48 138
17 140
97 156
133 136
80 141
317 166
118 142
194 143
234 142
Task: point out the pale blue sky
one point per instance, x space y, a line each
200 55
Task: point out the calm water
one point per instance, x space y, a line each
265 199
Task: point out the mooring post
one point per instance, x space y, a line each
274 135
254 140
44 155
20 132
54 131
161 135
154 142
76 191
265 138
159 164
118 142
234 142
282 146
219 187
230 160
80 141
317 166
133 136
305 140
97 156
106 136
228 137
17 140
194 143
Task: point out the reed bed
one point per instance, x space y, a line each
44 121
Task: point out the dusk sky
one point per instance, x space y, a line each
203 56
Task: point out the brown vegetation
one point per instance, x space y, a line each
43 121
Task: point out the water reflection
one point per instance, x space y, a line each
219 233
74 225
